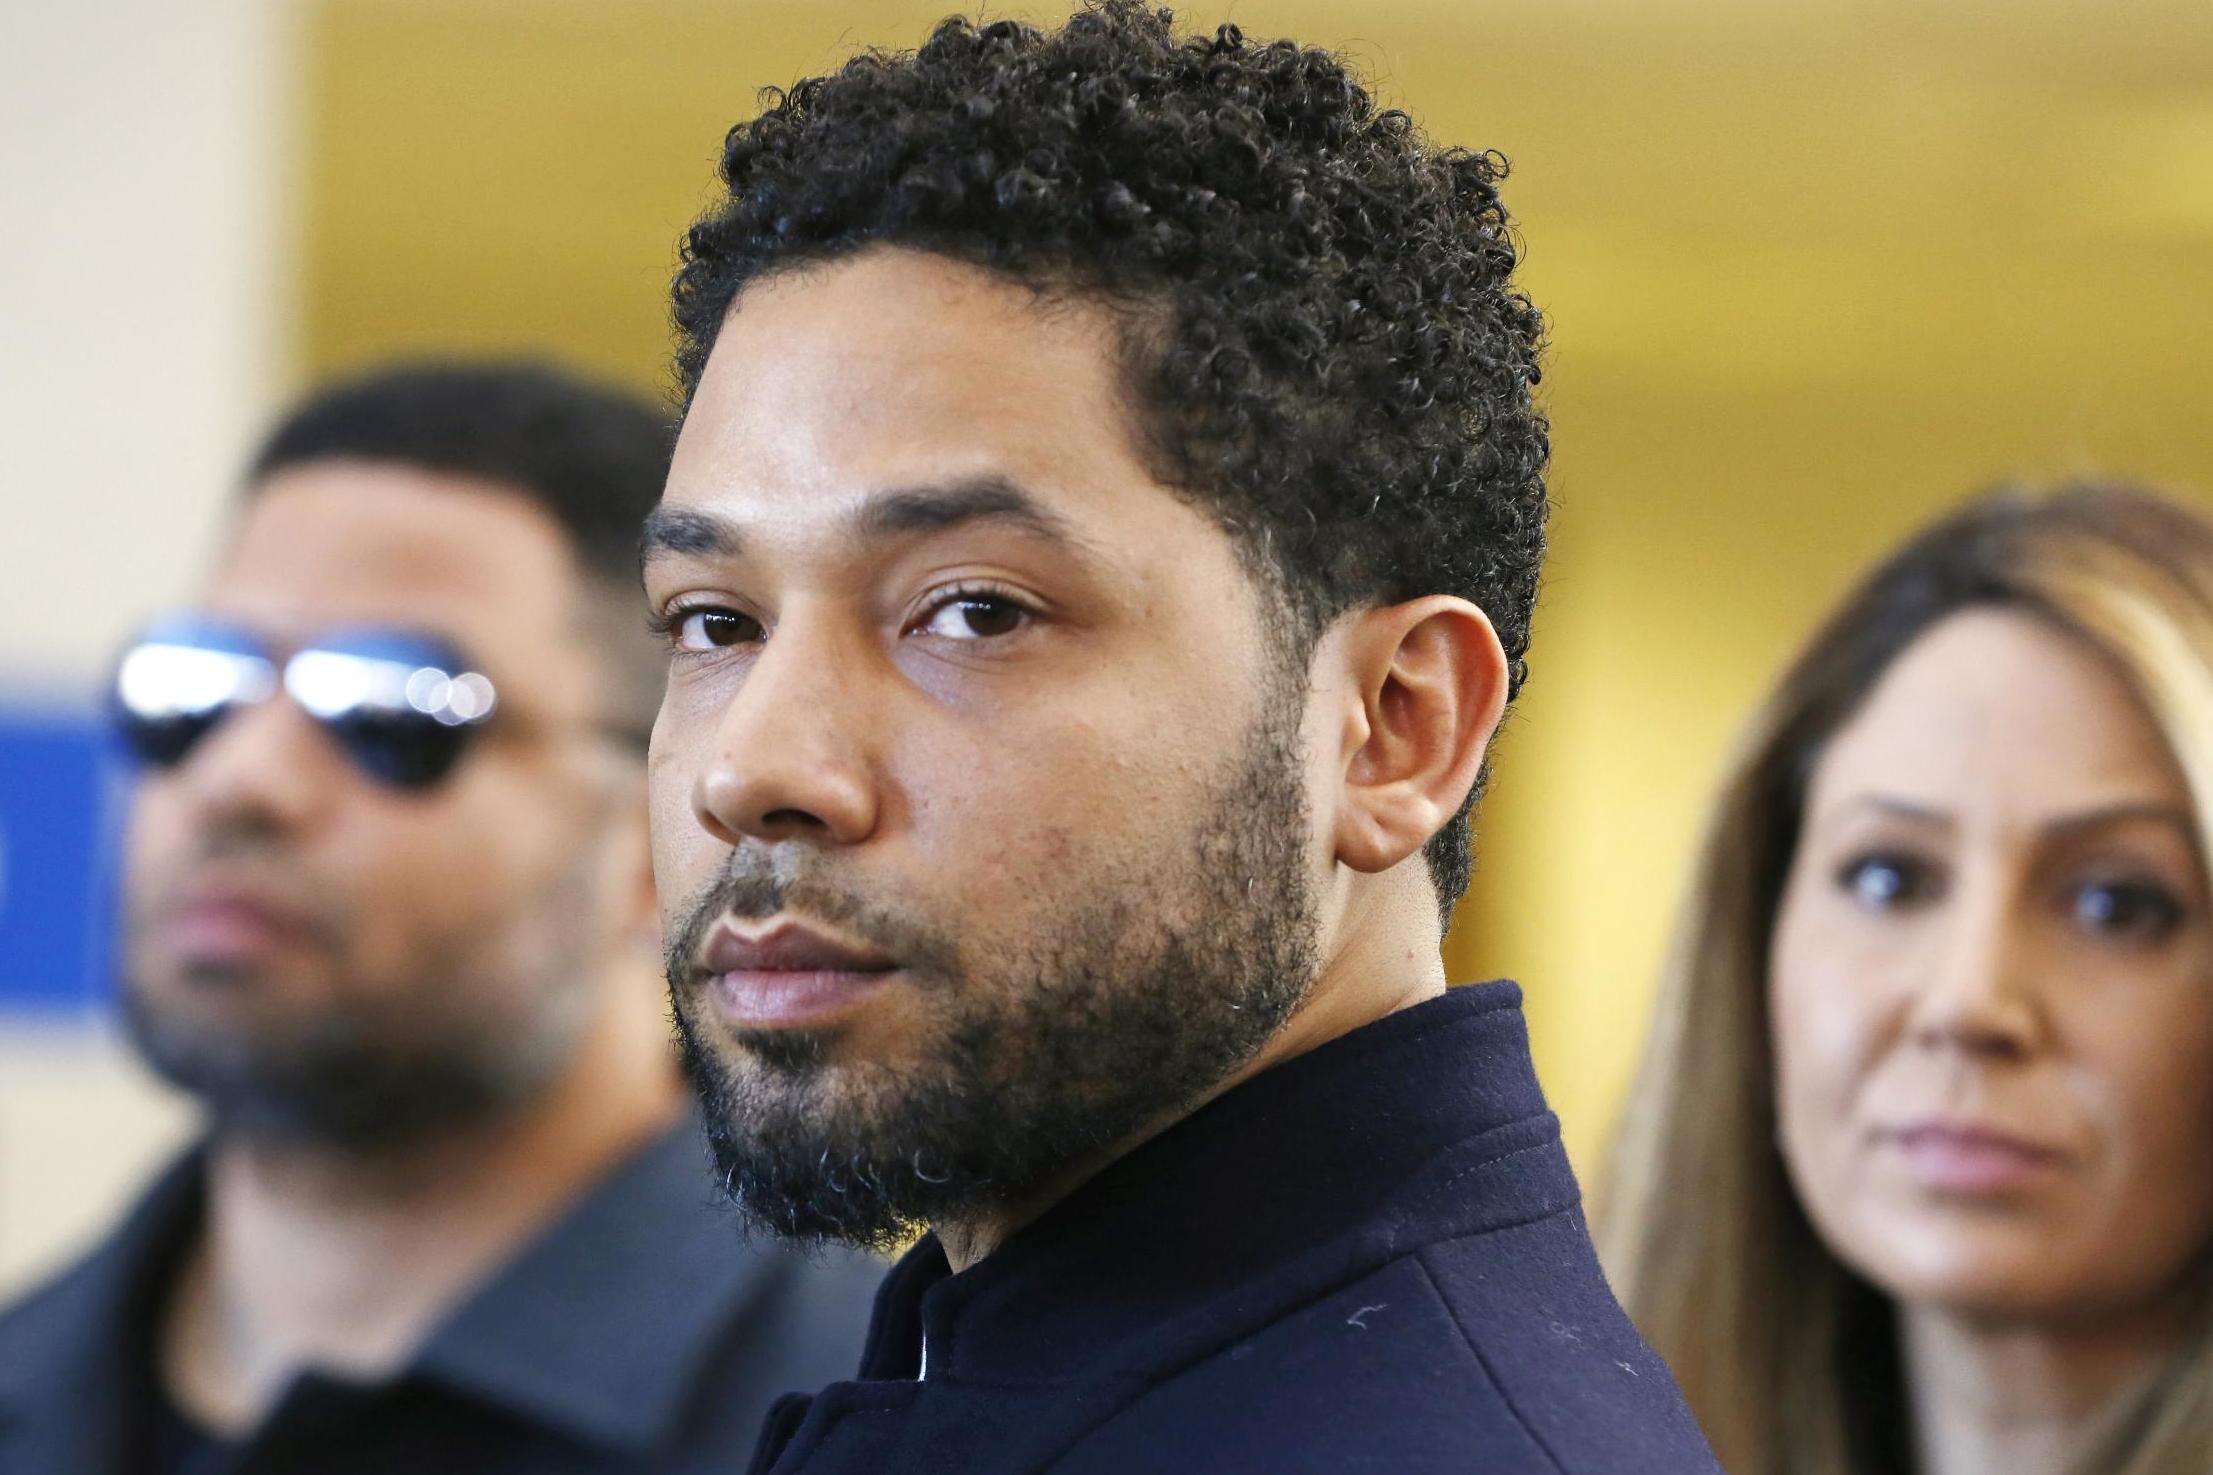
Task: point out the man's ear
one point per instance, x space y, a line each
1430 680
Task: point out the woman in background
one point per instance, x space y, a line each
1918 1172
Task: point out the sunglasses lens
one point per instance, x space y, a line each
174 685
407 751
403 706
162 742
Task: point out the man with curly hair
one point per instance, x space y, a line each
1099 551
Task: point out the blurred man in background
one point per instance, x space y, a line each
389 917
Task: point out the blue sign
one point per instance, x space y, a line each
57 787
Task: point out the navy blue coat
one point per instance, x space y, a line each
1370 1258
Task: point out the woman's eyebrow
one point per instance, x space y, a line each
1894 808
2110 814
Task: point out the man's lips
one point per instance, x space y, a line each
788 975
231 926
1968 1158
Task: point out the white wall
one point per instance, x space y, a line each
82 1127
145 160
146 174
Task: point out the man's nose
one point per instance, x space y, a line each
265 767
792 752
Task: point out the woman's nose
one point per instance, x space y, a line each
1978 994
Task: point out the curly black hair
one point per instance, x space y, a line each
1325 349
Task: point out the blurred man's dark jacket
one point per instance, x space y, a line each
639 1333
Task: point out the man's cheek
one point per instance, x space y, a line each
683 851
151 839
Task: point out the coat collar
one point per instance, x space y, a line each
595 1328
601 1325
1391 1137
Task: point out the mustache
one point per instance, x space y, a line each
753 887
248 856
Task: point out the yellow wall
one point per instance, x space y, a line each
1813 269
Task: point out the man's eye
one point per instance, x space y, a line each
974 617
2126 910
714 629
1885 883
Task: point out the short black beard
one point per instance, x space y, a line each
389 1065
337 1082
1155 983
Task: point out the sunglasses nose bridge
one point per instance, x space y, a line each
269 760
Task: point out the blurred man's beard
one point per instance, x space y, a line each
1151 984
365 1066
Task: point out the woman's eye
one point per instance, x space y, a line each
714 629
974 617
2130 910
1887 882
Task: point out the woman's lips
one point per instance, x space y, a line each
789 976
1975 1161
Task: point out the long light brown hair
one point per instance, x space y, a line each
1790 1359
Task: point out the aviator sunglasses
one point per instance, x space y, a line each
401 704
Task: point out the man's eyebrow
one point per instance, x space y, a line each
671 532
680 530
911 510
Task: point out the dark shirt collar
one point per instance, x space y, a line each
594 1329
599 1325
1322 1155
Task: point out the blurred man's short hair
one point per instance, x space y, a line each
591 455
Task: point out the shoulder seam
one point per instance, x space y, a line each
1421 1261
1487 1230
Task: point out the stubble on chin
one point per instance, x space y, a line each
1149 987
